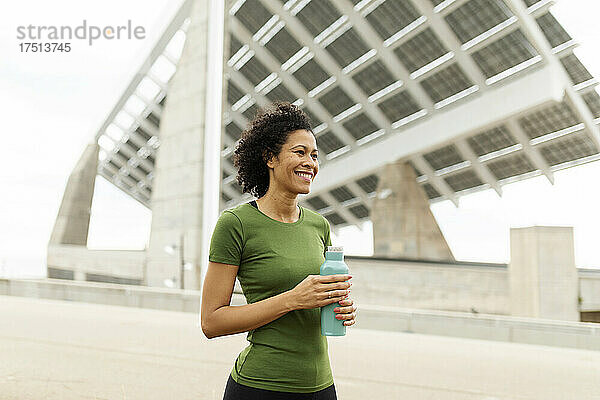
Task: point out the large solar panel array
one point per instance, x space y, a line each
368 69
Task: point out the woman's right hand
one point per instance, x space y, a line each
318 291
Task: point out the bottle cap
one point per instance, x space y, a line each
338 249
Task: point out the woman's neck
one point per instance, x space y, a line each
279 206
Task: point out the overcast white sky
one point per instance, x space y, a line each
54 103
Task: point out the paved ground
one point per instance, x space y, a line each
61 350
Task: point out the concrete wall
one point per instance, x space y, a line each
479 326
589 289
438 286
543 281
127 264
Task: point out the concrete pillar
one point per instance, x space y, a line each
542 274
73 220
403 225
177 195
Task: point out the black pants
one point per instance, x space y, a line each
235 391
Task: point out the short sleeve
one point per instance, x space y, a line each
227 240
327 235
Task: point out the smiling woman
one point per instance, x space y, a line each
275 248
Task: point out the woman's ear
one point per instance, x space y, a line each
268 158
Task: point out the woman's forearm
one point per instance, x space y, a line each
228 320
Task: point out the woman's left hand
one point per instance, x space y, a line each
346 311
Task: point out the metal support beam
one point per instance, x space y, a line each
227 167
481 170
438 183
240 80
239 119
354 188
143 122
532 152
338 208
229 191
136 139
133 170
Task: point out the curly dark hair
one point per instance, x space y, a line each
263 139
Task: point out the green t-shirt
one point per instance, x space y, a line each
288 354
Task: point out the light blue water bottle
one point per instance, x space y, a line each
334 264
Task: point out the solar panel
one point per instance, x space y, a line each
283 45
567 148
373 78
317 203
251 112
392 16
491 140
399 106
335 218
342 194
233 131
311 75
548 120
477 16
444 157
122 157
142 132
368 183
511 165
144 169
592 99
430 191
347 48
153 119
504 53
114 164
359 211
463 180
234 93
281 93
445 83
132 146
234 45
336 100
553 31
329 142
318 15
420 50
360 126
314 121
576 70
253 15
255 71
